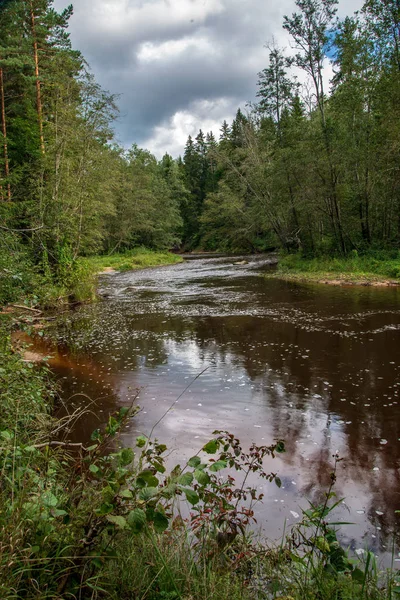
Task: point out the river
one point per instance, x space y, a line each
315 365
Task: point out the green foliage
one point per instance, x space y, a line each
17 275
138 258
67 190
374 266
317 172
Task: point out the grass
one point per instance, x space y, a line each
140 258
354 269
72 281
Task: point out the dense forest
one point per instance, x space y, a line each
310 166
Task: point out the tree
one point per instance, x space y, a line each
309 29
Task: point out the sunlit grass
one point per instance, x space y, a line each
138 258
365 270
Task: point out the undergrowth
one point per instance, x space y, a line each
103 522
354 267
53 280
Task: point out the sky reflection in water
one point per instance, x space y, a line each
318 366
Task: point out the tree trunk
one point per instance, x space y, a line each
38 86
4 132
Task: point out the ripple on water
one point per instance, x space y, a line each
316 365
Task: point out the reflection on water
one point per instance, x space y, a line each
316 365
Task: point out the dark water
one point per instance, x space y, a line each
316 365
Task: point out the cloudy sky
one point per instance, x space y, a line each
178 65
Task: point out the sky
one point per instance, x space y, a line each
179 65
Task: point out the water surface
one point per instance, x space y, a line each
316 365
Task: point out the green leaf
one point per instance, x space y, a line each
218 465
278 482
126 456
191 496
147 493
202 477
358 575
185 479
194 461
125 494
97 562
160 522
49 499
123 411
56 512
148 477
117 520
95 435
112 426
94 469
322 544
108 494
211 447
141 441
160 448
136 520
280 447
104 509
159 467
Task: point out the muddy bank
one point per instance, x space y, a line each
335 280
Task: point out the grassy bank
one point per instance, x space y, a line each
71 280
102 522
139 258
354 269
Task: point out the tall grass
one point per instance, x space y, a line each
372 267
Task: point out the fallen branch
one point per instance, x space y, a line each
54 443
62 444
35 310
22 230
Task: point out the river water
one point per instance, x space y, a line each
315 365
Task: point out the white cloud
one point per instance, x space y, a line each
171 136
150 51
179 65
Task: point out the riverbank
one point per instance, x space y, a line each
72 282
140 258
353 270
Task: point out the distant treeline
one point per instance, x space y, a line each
66 187
310 167
306 168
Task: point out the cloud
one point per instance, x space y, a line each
178 64
172 135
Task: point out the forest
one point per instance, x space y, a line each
311 166
311 170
